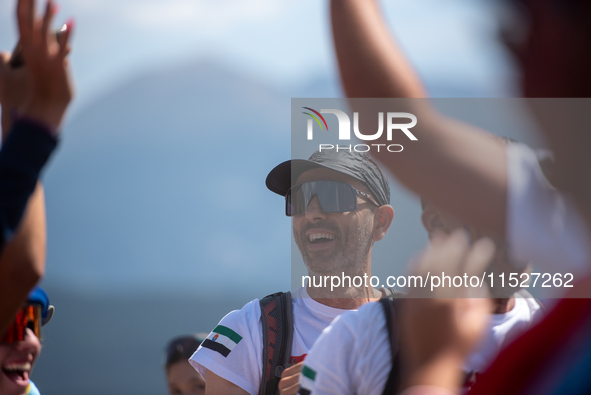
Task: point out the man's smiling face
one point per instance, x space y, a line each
334 242
17 361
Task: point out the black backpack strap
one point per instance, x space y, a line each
388 292
390 306
277 322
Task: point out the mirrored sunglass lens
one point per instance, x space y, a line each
15 332
336 197
35 319
28 316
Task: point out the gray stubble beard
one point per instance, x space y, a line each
353 263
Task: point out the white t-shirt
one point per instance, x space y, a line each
543 225
352 355
238 355
504 328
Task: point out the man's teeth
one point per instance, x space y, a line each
17 367
316 236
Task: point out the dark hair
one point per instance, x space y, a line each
569 8
181 348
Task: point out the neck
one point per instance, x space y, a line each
338 290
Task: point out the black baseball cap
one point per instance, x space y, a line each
358 165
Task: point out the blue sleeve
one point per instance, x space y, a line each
23 155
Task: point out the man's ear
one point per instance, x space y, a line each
383 219
432 220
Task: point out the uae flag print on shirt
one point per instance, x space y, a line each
307 380
222 339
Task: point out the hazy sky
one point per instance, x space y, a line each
282 42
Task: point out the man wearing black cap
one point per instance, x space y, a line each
339 204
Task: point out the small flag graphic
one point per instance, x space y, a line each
307 380
222 339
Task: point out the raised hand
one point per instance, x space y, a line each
46 64
439 331
15 88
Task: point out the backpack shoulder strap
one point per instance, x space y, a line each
388 292
390 306
277 323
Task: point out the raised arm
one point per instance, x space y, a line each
39 94
22 262
456 166
370 61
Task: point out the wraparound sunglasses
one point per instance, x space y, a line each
333 196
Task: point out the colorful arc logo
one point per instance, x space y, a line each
316 119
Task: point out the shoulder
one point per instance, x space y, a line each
350 355
370 314
243 323
525 174
352 332
32 390
233 349
543 225
238 326
248 313
526 180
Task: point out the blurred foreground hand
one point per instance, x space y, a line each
441 328
41 89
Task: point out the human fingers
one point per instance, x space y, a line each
293 370
290 378
4 59
291 390
64 38
287 383
452 252
444 252
25 13
479 255
46 21
443 259
421 265
50 10
477 260
4 70
13 84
